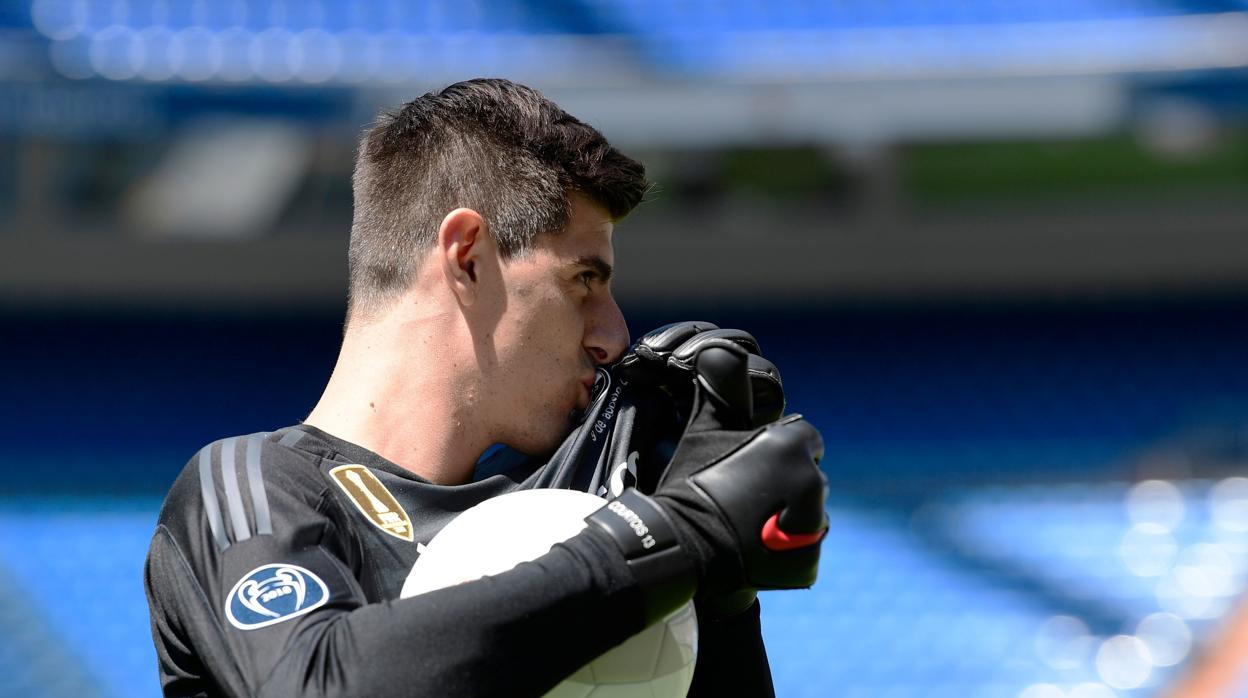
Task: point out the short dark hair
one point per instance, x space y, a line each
491 145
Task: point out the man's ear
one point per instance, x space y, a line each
462 242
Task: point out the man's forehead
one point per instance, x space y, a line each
590 216
588 233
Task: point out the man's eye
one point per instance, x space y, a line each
587 278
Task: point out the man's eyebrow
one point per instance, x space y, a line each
598 264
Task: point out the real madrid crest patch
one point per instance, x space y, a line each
373 500
273 593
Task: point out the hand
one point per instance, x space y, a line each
742 507
664 357
753 497
640 406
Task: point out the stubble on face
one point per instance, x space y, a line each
542 358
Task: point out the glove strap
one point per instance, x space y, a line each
642 530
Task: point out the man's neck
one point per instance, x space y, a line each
396 392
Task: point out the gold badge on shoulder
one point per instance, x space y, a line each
373 500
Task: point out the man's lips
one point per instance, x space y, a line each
588 383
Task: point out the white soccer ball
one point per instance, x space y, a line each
500 533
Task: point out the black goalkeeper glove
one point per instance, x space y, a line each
740 507
664 358
640 408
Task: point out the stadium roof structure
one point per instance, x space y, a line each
660 72
570 42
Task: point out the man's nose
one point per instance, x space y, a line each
607 335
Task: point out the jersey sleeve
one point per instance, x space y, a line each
241 608
731 657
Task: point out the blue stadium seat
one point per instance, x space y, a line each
80 563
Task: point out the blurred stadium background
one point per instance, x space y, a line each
997 246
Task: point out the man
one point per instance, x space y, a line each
479 311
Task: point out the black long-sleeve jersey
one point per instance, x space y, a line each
278 558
